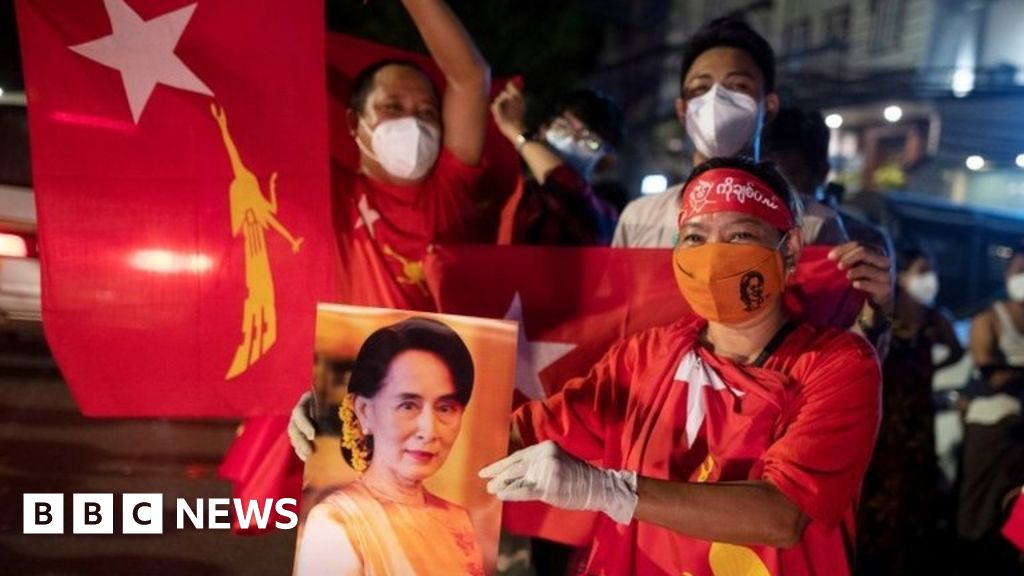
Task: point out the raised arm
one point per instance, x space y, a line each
464 109
509 112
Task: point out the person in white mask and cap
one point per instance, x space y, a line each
727 96
419 163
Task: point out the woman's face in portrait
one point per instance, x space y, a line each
414 418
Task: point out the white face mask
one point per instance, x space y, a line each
573 153
721 122
405 147
923 288
1015 287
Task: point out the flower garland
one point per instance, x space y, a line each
352 438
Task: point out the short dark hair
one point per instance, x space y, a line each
909 251
731 32
363 83
765 171
802 131
381 348
599 112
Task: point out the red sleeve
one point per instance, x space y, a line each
820 457
581 415
451 188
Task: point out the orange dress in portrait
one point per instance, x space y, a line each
357 530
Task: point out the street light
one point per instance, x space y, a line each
893 113
1020 160
963 82
975 162
653 184
833 121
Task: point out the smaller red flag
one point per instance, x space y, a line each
1013 530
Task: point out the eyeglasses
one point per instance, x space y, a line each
563 127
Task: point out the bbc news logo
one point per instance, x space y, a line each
144 513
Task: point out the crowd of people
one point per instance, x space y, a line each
738 439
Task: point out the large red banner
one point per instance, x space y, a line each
180 165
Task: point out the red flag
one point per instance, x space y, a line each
181 174
1013 530
261 466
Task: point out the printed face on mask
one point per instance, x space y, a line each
729 266
399 125
723 103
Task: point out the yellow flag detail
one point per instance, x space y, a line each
731 560
412 270
251 215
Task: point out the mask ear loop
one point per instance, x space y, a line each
359 143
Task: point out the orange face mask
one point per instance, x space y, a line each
728 283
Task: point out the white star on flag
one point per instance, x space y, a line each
367 216
698 376
143 52
533 357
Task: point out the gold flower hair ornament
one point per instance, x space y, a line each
352 438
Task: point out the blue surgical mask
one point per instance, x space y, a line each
578 156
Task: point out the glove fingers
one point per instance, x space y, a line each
514 459
512 472
300 417
300 444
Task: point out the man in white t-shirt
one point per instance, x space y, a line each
727 96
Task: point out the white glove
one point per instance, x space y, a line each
544 472
301 429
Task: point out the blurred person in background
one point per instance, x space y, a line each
554 202
993 447
797 142
897 514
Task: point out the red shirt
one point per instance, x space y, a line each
806 422
385 230
563 211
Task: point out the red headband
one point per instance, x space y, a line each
733 190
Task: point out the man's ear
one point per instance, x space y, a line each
681 111
352 120
791 248
771 106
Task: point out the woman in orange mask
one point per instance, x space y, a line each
733 441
